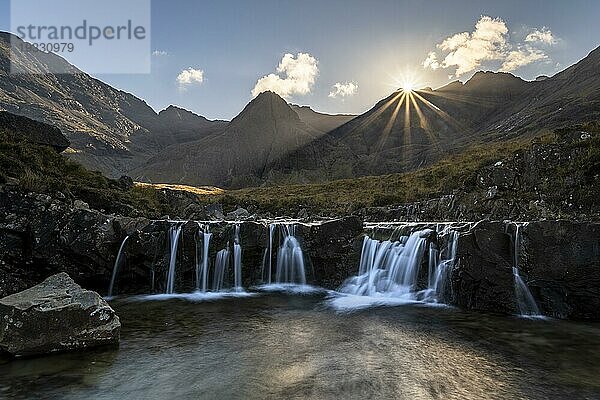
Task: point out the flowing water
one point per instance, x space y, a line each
202 257
525 301
388 272
290 258
174 233
118 265
280 346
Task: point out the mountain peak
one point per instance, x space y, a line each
267 106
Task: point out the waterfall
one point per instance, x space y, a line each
117 267
440 267
290 258
267 265
389 268
174 233
525 301
202 260
237 260
221 265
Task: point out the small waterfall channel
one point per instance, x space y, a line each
118 265
525 301
174 234
290 266
202 256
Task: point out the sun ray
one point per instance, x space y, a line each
390 124
444 115
433 138
407 133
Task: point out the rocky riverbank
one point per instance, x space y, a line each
41 235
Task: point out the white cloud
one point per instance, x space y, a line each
190 76
488 42
431 61
468 50
521 57
343 89
544 36
160 53
294 75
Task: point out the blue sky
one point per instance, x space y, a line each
375 45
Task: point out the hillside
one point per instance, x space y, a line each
110 130
264 131
320 121
555 176
407 131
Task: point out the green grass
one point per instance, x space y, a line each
41 169
576 181
457 172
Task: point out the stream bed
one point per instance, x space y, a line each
276 345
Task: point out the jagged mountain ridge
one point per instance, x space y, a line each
110 130
488 107
267 129
321 121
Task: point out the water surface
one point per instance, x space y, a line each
290 346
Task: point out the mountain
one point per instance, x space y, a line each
266 130
176 125
320 121
406 131
110 130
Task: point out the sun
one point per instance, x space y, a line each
408 81
408 86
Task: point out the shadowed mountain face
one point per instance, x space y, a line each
110 130
266 130
410 130
320 121
273 142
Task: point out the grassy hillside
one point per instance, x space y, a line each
41 169
458 173
559 170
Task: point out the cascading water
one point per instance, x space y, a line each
267 265
525 301
440 267
203 258
290 258
174 233
237 261
117 267
221 265
389 269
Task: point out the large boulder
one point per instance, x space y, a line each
56 315
22 129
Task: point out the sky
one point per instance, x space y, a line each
342 56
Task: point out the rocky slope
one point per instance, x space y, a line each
321 121
110 130
264 131
407 131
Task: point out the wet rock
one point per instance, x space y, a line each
56 315
40 236
333 248
561 260
215 211
482 278
239 213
